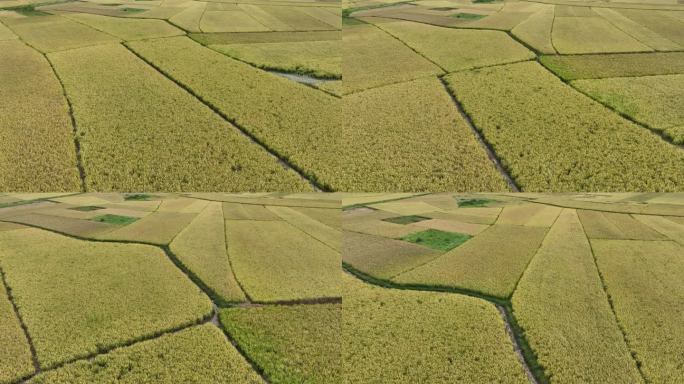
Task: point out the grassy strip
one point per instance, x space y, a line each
474 203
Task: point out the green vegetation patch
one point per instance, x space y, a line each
195 355
614 65
37 137
552 138
474 203
405 219
490 263
28 10
139 197
648 308
562 283
87 208
115 219
467 16
133 10
398 336
78 298
436 239
15 355
293 344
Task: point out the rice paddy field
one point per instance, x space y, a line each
513 288
170 288
557 96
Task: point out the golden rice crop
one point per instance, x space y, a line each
133 128
329 217
15 354
397 336
382 257
410 137
673 229
649 309
572 35
661 23
293 344
259 37
157 228
80 297
56 33
315 58
611 225
265 18
482 264
552 138
534 215
615 65
536 31
638 31
373 58
330 16
230 21
327 235
37 150
561 305
296 18
71 226
300 123
195 355
6 33
127 29
201 247
652 100
236 211
502 20
275 261
189 19
458 49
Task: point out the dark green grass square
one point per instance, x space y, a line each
436 239
474 203
133 10
115 219
138 197
406 219
467 16
87 208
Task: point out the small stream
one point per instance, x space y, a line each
304 79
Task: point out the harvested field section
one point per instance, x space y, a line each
536 31
33 112
157 228
78 297
410 137
656 101
482 264
300 123
454 339
315 58
373 58
56 33
457 49
382 257
15 355
552 138
199 355
615 65
201 247
127 29
274 261
573 35
565 314
644 281
293 344
133 130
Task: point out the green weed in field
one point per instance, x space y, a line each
436 239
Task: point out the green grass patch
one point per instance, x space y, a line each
474 203
406 219
436 239
115 219
467 16
133 10
26 10
138 197
87 208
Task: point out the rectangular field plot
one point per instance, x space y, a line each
536 30
565 314
372 223
274 261
410 136
609 225
293 344
638 31
69 226
456 49
382 257
15 355
668 27
482 264
127 29
37 151
132 125
551 138
56 33
78 298
198 354
230 21
615 65
673 228
573 35
201 247
157 228
655 101
234 211
649 309
298 122
437 239
533 215
373 58
454 336
329 236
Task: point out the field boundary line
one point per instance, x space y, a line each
489 150
255 367
189 196
516 348
362 205
34 355
632 353
597 209
411 48
230 262
283 160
